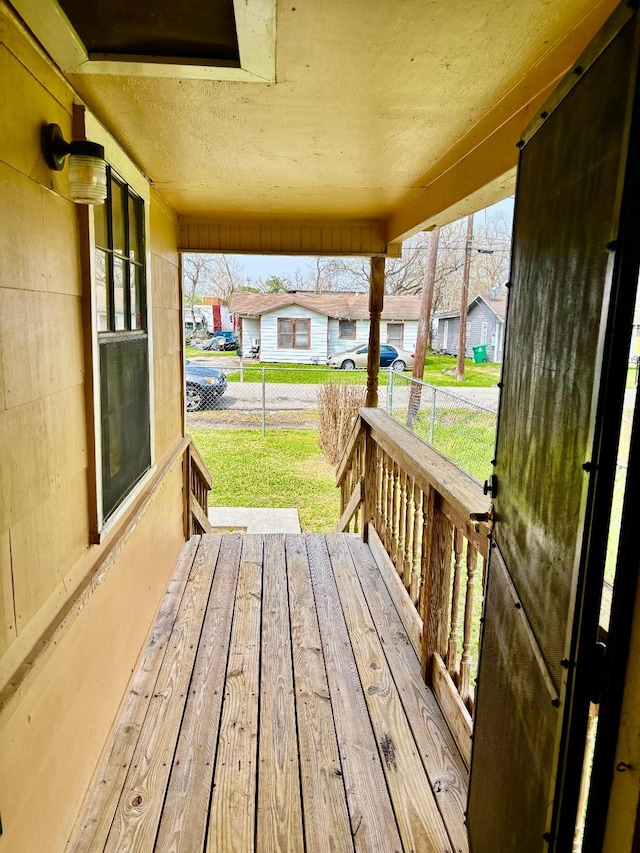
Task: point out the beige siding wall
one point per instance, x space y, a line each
55 719
167 326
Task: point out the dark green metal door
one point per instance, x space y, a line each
563 386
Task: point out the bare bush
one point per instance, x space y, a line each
338 409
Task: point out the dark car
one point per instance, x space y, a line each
224 340
205 385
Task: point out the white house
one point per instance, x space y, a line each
307 328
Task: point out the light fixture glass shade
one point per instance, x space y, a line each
87 179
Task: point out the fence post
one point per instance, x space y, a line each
433 416
390 392
264 402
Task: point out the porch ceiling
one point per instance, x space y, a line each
403 113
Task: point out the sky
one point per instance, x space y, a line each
264 266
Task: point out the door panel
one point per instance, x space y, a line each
567 215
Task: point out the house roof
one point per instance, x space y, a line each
498 304
395 114
347 306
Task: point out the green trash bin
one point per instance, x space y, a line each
480 354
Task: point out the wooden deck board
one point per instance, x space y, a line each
232 818
104 795
419 820
279 826
373 823
326 819
137 817
446 771
281 709
189 786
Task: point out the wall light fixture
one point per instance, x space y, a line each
87 167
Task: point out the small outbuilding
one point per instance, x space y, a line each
485 326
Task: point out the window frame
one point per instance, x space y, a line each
293 321
484 333
342 337
393 343
99 527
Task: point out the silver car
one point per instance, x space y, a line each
392 356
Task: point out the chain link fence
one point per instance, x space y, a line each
264 398
461 429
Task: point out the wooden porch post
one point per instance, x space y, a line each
376 298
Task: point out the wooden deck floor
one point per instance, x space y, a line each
278 706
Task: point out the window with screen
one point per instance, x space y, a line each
347 330
395 334
120 283
294 334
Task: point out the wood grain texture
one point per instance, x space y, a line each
279 826
103 796
408 614
182 826
353 505
417 814
137 817
429 468
453 707
326 820
287 713
232 815
448 776
373 823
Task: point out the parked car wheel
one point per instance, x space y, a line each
195 398
347 364
399 365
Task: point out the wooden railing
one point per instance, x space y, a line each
427 523
197 487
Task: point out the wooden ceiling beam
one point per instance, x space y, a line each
201 234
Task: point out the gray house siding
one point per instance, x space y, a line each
483 327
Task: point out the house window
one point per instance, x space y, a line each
122 341
395 334
294 334
347 330
483 333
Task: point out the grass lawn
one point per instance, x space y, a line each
284 469
194 352
476 375
466 437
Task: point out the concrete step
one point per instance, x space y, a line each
253 519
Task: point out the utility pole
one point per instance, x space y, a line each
464 299
424 325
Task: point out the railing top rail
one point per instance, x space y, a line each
348 450
426 465
200 463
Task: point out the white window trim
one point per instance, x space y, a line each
126 169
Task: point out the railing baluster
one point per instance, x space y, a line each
395 507
452 650
416 546
437 567
407 529
389 507
465 664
